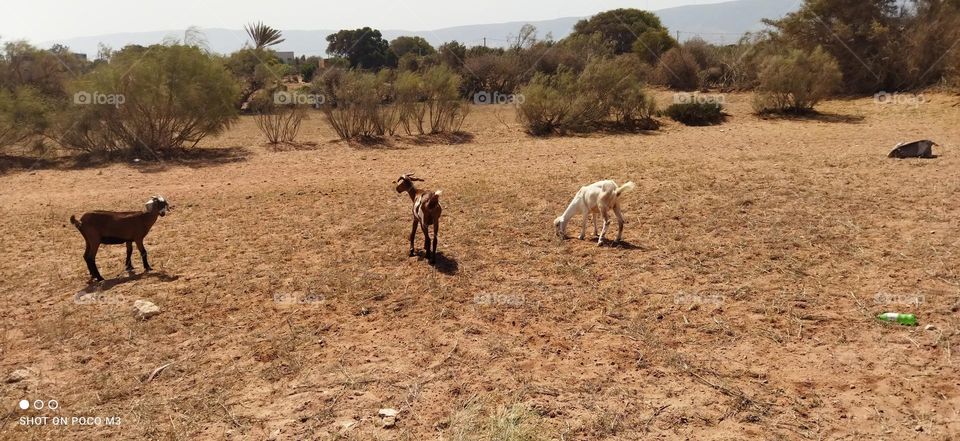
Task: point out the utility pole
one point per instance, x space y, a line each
678 36
484 41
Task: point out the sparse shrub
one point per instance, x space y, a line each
278 122
445 110
741 62
47 72
608 91
357 106
796 82
705 54
368 105
24 114
696 113
410 102
616 84
678 70
161 98
552 104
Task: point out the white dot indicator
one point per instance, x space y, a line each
24 404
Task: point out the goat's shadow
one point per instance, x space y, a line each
443 263
106 285
623 245
607 243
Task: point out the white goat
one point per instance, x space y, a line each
597 197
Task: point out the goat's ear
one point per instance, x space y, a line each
415 179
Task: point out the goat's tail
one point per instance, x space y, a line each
74 221
625 188
435 200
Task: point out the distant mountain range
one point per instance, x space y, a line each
717 23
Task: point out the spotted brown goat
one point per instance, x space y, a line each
426 212
114 228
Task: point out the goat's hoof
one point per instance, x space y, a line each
147 269
412 253
581 237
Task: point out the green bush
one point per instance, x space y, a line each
150 100
796 82
696 113
608 92
24 114
616 84
552 104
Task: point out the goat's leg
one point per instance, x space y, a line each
606 223
129 263
616 211
596 232
143 255
583 230
436 238
90 256
426 239
413 235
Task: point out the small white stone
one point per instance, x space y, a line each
18 376
347 424
143 309
929 328
389 417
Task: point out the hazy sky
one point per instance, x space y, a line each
40 20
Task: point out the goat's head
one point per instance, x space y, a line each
405 182
561 226
157 204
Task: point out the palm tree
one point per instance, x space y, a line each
263 35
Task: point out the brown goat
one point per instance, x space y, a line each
426 212
114 228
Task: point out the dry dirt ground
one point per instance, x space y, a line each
740 306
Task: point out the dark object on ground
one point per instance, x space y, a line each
696 113
916 149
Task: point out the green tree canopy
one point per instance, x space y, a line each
403 45
622 27
863 36
365 48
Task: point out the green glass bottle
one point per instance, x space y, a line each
895 317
